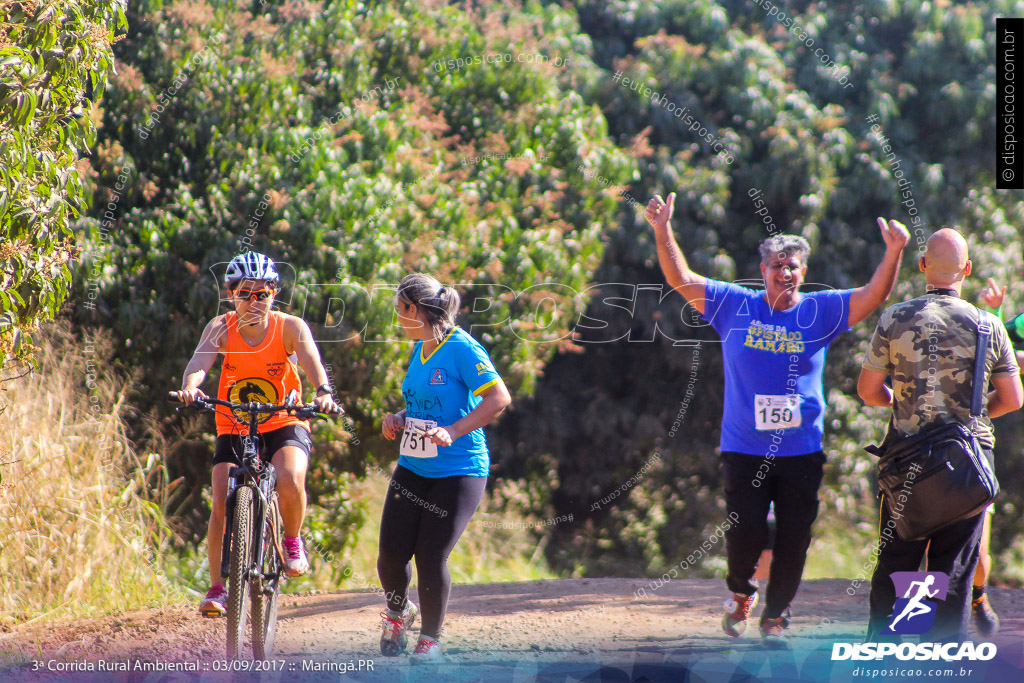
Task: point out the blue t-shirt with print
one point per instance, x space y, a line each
773 353
444 387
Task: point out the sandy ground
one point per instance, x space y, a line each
547 630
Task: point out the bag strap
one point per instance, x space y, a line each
980 355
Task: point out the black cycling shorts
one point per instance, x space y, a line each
229 447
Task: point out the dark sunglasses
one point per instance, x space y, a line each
254 294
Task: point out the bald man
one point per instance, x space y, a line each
927 346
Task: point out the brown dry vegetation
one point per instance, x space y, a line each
81 521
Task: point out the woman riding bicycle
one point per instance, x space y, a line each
451 391
260 348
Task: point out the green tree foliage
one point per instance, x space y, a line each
54 58
799 130
356 143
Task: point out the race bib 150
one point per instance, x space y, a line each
776 412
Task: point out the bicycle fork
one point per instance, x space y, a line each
231 509
262 505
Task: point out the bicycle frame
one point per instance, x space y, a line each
262 478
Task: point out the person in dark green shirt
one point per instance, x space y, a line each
986 621
992 299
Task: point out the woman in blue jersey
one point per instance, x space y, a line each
451 391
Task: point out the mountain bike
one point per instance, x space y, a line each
253 556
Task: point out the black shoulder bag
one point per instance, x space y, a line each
940 476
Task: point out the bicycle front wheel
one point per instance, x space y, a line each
266 589
238 583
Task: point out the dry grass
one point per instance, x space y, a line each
81 524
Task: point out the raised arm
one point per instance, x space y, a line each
1007 394
992 298
865 299
670 256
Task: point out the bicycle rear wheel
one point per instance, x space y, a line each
266 589
238 584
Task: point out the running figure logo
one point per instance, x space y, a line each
914 613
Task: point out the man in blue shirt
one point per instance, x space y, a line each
774 345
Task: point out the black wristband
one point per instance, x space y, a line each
326 388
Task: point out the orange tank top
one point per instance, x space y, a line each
263 373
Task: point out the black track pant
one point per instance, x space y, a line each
424 518
790 482
952 550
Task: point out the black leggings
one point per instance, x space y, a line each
424 517
792 483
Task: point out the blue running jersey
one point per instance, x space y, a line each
770 358
445 387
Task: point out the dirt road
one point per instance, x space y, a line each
571 629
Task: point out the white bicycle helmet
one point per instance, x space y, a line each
251 266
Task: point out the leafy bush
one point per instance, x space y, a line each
358 142
351 166
54 59
922 71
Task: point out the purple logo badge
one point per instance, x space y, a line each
914 613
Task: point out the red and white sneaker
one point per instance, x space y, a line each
772 634
734 623
395 629
214 604
296 563
428 651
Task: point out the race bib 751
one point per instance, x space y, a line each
414 444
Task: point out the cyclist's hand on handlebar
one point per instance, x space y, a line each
326 404
391 424
187 396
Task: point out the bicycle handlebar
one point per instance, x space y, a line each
207 404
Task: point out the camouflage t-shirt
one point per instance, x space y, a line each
927 346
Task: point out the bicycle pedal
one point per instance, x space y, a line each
211 613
